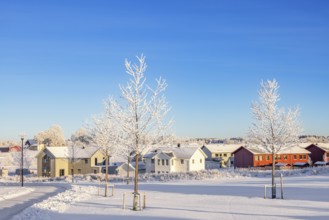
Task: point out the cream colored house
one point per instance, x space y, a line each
221 152
63 161
176 159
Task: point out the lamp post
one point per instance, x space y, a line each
22 159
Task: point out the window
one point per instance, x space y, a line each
260 158
86 161
163 162
295 157
72 171
158 172
61 172
220 155
95 171
158 162
256 158
279 157
182 161
300 157
172 162
327 154
304 156
167 162
200 160
152 161
193 161
79 171
96 162
216 155
285 157
225 155
267 157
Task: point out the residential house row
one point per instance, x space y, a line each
60 161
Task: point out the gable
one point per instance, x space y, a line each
199 152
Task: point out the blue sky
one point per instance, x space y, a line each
60 59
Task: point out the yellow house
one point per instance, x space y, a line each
221 152
63 161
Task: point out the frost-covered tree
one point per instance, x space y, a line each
73 147
28 158
104 133
81 137
274 129
142 114
54 136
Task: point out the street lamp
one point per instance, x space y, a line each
22 139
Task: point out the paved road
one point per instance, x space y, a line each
11 207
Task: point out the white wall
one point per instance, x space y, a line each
197 162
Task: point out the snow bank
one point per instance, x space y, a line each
57 204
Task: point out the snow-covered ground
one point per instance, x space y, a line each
10 192
305 197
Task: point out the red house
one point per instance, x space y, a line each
15 149
251 157
319 152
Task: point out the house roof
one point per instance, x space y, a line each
177 152
289 150
323 146
300 164
32 142
304 145
294 150
222 148
320 163
150 155
67 152
252 150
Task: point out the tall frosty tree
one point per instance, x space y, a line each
105 134
274 129
142 114
54 136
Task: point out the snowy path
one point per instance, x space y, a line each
12 206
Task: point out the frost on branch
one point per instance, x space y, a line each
273 129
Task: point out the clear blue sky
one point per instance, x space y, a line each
60 59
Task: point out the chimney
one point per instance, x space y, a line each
178 145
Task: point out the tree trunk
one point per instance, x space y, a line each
128 170
73 172
106 173
273 177
135 200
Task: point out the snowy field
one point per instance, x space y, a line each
305 197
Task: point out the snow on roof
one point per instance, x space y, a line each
304 145
177 152
320 163
184 152
150 155
323 146
222 148
66 152
31 142
255 150
294 150
281 164
300 164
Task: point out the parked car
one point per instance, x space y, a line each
25 171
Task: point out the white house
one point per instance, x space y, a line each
175 159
